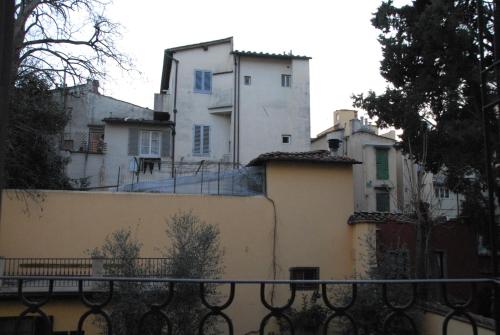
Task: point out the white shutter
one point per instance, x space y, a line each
133 141
206 139
197 140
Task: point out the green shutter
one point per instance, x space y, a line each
382 158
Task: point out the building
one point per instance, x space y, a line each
107 140
375 180
234 105
387 180
307 194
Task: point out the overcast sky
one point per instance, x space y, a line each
337 35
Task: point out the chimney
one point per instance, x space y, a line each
334 144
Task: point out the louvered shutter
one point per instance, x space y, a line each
206 139
382 162
133 141
197 140
165 143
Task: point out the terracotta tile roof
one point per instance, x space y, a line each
268 55
380 217
318 156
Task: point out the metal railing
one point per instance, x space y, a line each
159 316
79 267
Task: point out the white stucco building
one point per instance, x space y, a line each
386 180
107 141
233 105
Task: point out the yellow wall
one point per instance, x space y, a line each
313 205
432 324
312 202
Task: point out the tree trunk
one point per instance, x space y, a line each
6 35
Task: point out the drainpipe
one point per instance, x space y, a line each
234 109
238 134
175 111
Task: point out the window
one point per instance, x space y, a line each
286 139
96 140
382 199
382 161
441 191
150 143
202 81
247 80
305 273
201 140
286 80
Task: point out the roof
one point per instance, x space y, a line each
168 56
201 44
318 156
268 55
132 121
380 217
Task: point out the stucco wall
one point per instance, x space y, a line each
306 200
268 110
313 204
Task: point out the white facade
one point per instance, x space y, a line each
361 140
252 104
96 139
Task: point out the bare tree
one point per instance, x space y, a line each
59 38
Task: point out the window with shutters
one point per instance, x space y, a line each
202 81
201 140
148 143
383 201
382 161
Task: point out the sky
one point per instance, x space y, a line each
337 35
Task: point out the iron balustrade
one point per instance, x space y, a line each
160 310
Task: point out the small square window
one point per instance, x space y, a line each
247 80
305 273
286 80
286 139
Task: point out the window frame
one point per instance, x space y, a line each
202 152
305 287
203 89
286 80
283 136
150 144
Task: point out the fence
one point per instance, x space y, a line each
158 316
204 177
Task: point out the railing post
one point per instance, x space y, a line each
2 269
496 306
